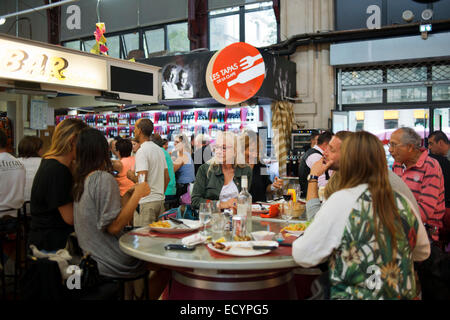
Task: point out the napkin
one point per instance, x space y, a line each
194 239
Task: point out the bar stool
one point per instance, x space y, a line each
119 282
114 288
10 228
123 281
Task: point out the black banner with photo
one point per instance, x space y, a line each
183 77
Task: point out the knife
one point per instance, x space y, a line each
285 244
179 222
264 247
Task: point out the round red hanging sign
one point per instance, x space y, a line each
235 73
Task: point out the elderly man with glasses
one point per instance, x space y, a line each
422 174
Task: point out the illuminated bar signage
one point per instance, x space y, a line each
21 61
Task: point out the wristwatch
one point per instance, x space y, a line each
311 177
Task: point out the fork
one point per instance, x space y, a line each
249 61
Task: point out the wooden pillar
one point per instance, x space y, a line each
198 23
53 23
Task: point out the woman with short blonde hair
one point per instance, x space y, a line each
220 177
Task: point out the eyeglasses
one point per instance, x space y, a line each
224 148
394 145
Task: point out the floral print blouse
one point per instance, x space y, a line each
343 235
362 268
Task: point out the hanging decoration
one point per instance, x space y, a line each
282 123
100 40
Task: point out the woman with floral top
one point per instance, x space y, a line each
369 234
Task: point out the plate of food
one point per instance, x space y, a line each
260 208
296 229
243 248
172 227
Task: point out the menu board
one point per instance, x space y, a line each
38 115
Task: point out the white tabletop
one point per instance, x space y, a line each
151 249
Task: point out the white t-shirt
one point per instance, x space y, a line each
12 184
322 181
151 158
31 166
228 192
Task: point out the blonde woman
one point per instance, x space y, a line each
220 177
51 193
183 164
364 229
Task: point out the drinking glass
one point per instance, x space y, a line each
279 192
204 215
215 207
287 211
217 225
321 193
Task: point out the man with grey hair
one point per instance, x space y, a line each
422 174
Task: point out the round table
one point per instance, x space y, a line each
198 275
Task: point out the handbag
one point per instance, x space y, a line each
90 276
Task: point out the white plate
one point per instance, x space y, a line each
179 228
244 248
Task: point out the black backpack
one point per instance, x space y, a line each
42 281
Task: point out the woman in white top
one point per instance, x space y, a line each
30 154
368 234
220 177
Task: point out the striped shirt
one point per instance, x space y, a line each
426 182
